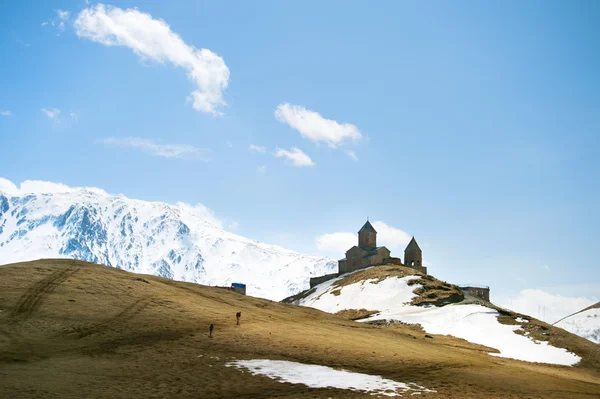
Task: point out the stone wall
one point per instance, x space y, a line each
342 267
321 279
422 269
393 261
353 259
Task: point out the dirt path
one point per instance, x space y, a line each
33 296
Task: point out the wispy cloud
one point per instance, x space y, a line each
153 39
173 151
257 148
352 155
296 156
18 39
314 127
51 113
5 112
74 116
59 21
261 170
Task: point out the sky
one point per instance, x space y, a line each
473 126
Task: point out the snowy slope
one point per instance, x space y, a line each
585 323
475 323
182 242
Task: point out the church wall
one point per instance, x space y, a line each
367 239
354 259
342 266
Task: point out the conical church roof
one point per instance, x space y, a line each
413 246
367 228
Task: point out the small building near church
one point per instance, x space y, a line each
239 288
476 290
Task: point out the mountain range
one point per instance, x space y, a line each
177 241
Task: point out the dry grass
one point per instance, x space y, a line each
356 314
71 329
376 274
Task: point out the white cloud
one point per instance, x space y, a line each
234 225
5 112
544 305
336 244
296 156
39 187
395 239
261 170
51 113
352 155
257 148
153 39
178 151
313 126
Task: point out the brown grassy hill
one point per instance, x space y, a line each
71 329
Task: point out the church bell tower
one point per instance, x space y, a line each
367 236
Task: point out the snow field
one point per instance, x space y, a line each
315 376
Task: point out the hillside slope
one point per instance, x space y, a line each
585 323
390 294
70 329
181 242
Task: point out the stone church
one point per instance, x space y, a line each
367 253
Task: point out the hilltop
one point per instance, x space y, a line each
70 328
392 294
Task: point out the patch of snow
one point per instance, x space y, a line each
586 324
475 323
392 291
521 320
315 376
480 325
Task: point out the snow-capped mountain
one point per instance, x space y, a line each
181 242
585 323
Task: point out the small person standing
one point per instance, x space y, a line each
237 317
210 330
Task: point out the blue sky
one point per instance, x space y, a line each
474 126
